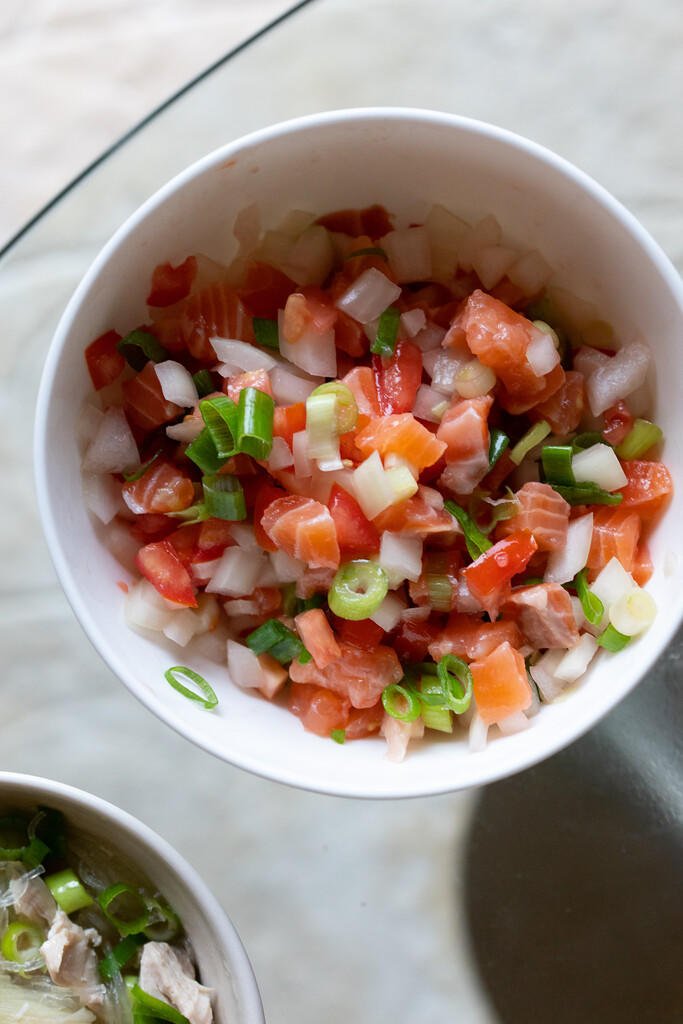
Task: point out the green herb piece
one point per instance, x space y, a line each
476 541
138 347
497 445
266 333
592 606
338 735
276 639
387 332
138 473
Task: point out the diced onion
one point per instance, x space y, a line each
237 574
240 606
633 612
88 423
313 352
176 382
491 263
370 486
145 608
600 465
530 272
368 296
310 259
243 665
181 627
616 379
288 389
445 231
413 321
389 613
286 568
399 734
187 431
275 248
409 254
242 354
478 733
102 494
426 401
430 337
280 455
474 380
516 722
444 369
228 369
203 571
611 583
485 232
113 448
402 482
577 659
244 536
588 360
295 222
543 674
550 331
400 557
303 466
541 354
564 564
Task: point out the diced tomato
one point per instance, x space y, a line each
543 512
364 721
320 710
160 564
257 379
648 490
500 684
616 532
642 566
288 420
490 574
163 488
468 637
171 284
415 516
317 636
398 378
350 337
413 637
618 422
303 528
105 362
356 535
266 494
402 435
361 633
144 402
564 409
265 290
373 221
359 674
361 383
146 528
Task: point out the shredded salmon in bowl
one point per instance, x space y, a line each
379 476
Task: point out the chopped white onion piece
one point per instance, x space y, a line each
491 263
313 352
445 368
430 337
203 571
280 455
244 536
368 296
541 354
588 360
240 606
145 608
181 627
543 674
332 464
402 482
474 380
243 666
102 494
237 574
286 568
176 383
242 354
295 222
409 254
185 432
530 272
88 423
633 612
388 615
275 248
206 614
478 733
227 369
247 227
516 722
564 564
419 614
618 377
577 659
113 448
541 325
400 557
303 466
393 461
399 734
288 389
426 401
599 464
413 321
485 232
611 583
310 259
373 491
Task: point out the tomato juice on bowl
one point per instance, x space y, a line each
520 210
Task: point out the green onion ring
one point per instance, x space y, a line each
456 682
395 695
357 590
207 697
157 1007
21 942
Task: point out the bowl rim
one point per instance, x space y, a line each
242 974
546 745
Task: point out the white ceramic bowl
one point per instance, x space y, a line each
406 160
224 964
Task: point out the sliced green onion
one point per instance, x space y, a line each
586 440
593 608
196 513
476 541
18 843
49 829
68 891
119 956
557 464
221 416
387 332
203 381
587 494
358 589
439 719
338 735
321 426
141 470
642 436
276 639
440 591
164 924
401 702
203 453
502 511
613 640
132 916
254 434
224 498
456 682
21 942
157 1008
533 437
530 581
289 600
345 411
307 603
138 347
206 696
370 250
497 445
266 332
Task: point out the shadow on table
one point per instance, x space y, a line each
574 872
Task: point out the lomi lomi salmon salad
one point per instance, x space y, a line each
392 478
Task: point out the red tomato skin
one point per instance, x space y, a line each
289 420
266 494
171 284
104 361
356 535
618 422
398 378
160 564
413 638
491 572
362 633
